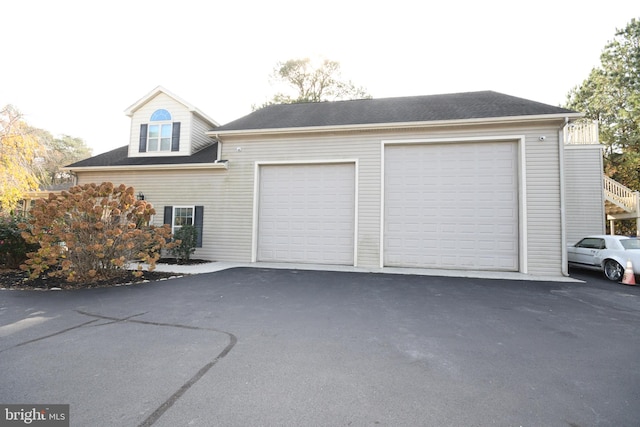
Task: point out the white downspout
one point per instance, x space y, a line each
219 153
637 213
563 230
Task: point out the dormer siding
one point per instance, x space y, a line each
199 138
183 140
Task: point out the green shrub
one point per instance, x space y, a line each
185 239
13 247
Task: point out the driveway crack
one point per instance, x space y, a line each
155 415
50 335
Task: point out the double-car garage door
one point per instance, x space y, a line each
448 205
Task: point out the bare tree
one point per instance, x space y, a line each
311 83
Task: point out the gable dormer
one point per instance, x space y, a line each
162 124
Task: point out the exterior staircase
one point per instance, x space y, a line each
620 203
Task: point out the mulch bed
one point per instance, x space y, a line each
18 279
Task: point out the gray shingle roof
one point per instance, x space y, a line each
457 106
118 157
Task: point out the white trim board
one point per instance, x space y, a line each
256 198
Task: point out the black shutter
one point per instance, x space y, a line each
143 139
168 219
198 224
175 137
168 213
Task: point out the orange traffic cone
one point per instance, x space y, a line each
628 278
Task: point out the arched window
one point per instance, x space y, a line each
160 115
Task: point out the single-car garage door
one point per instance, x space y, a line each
452 206
306 213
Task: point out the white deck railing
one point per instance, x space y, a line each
619 194
581 133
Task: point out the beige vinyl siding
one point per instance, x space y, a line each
183 188
197 135
542 178
179 113
584 193
544 229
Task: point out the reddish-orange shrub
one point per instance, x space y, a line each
92 231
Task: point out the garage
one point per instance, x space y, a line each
451 205
306 213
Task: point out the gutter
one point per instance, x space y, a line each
215 133
219 164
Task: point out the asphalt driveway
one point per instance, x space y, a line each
251 346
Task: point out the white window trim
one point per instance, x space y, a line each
173 216
159 124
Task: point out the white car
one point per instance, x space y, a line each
605 253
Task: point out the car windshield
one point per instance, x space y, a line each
631 243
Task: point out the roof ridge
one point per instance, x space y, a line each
389 98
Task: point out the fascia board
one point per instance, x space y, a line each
177 166
398 125
140 102
135 106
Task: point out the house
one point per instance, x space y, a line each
29 199
472 181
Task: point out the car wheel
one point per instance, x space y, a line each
613 270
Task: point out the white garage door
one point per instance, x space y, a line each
307 213
451 206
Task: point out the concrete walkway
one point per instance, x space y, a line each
224 265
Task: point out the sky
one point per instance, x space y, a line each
74 67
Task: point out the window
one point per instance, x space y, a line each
177 216
161 135
159 138
160 115
182 216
